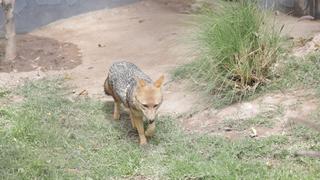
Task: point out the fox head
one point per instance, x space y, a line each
148 97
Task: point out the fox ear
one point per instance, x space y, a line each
141 83
159 82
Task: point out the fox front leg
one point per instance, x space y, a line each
151 129
138 122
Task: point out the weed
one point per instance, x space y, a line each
3 93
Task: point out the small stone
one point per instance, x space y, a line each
227 129
254 133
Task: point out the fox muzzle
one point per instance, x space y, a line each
150 116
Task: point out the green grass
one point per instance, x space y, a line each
238 46
3 92
298 73
50 136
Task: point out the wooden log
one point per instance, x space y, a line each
10 32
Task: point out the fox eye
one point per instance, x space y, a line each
156 105
145 105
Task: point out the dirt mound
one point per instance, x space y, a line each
269 115
312 46
41 53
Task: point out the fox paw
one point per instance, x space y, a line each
150 132
116 116
143 141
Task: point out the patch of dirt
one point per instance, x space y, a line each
311 46
182 6
41 53
296 28
147 33
178 101
295 106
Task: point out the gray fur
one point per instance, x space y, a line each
122 78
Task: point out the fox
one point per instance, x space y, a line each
130 86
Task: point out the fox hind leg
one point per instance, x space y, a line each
107 88
132 120
116 112
109 91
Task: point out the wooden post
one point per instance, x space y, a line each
10 32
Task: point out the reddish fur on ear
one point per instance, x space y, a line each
141 83
159 82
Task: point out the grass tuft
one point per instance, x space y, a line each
3 93
238 50
299 73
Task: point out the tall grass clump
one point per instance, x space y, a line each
239 45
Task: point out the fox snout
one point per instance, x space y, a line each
150 115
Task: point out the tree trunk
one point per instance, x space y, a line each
10 32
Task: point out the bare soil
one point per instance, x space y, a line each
297 28
147 33
182 6
41 53
295 106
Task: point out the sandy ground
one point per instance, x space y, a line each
298 28
145 33
150 35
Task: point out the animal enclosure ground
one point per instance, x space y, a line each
47 131
34 53
52 135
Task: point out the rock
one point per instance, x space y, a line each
253 132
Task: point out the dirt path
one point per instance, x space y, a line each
145 33
297 28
